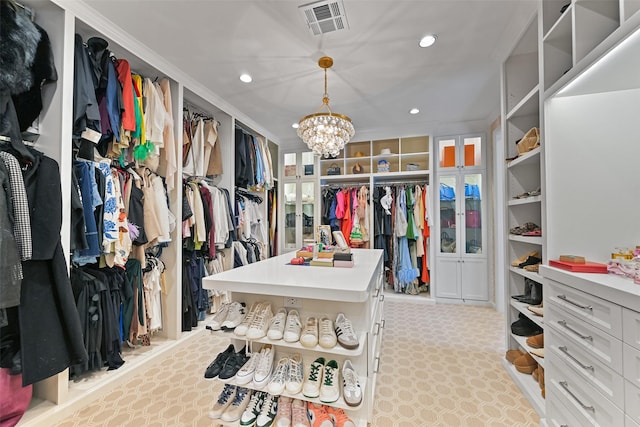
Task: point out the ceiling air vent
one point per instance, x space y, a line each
324 16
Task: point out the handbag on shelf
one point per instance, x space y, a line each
472 218
447 244
473 247
529 141
333 169
447 193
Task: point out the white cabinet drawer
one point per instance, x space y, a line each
631 327
631 360
592 340
580 397
558 349
632 401
603 314
559 415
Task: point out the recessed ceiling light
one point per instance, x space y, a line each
428 40
295 125
246 78
414 111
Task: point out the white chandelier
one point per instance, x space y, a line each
325 133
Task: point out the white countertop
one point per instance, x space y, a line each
274 276
610 287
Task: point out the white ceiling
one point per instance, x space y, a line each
379 71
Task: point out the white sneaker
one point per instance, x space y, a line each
311 387
237 312
293 327
276 329
224 400
268 411
241 329
252 411
329 390
309 337
260 323
279 377
265 365
245 374
327 334
344 331
351 391
237 407
294 376
216 321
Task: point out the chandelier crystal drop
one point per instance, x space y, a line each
326 133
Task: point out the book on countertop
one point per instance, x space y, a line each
304 253
322 262
342 256
576 259
587 267
343 264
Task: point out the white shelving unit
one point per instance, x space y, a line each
320 291
547 83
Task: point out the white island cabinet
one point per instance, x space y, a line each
318 291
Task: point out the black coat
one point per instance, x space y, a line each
50 330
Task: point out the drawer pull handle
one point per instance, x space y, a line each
377 365
384 322
565 386
377 329
584 337
381 298
377 292
584 307
570 356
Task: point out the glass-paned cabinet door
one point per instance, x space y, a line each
308 212
290 214
290 165
448 214
461 152
473 219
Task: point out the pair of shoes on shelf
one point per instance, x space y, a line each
287 375
536 341
538 376
322 381
228 316
261 410
256 323
526 194
318 331
524 258
285 326
532 292
226 364
525 327
524 228
291 412
345 334
328 416
258 367
231 403
522 361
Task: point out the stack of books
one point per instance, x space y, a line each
322 262
343 259
578 264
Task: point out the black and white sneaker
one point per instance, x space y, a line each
235 315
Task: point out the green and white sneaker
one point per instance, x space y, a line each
330 390
268 411
311 387
250 414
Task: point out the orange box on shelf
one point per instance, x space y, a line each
470 155
449 157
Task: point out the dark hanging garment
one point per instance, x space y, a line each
241 159
50 330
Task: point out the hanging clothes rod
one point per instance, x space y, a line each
346 184
404 182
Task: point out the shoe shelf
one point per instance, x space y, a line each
529 387
530 158
525 273
522 341
535 240
522 308
340 403
337 350
525 201
529 105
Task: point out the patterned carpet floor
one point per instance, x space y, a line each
440 366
